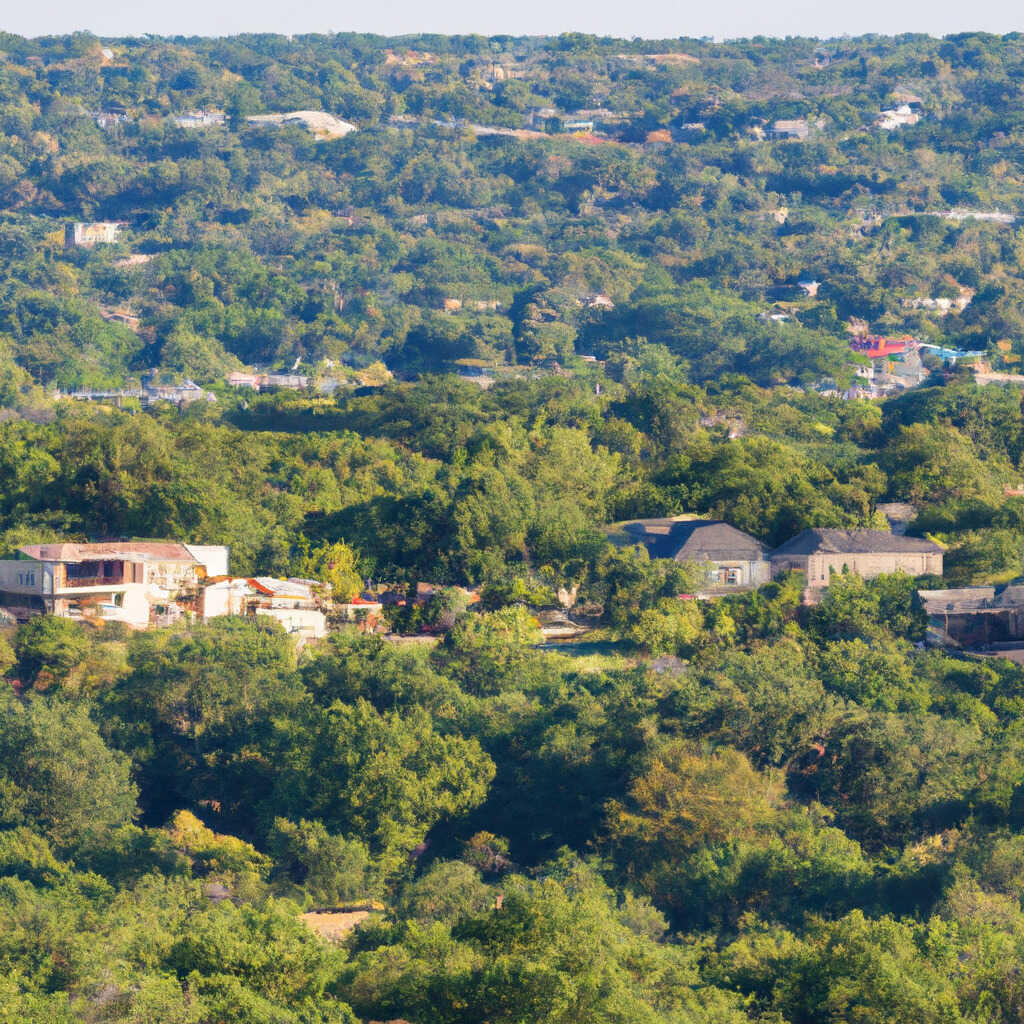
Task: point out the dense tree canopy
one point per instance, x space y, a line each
516 333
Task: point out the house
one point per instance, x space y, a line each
107 119
81 235
597 301
729 557
179 394
897 117
974 616
138 583
906 371
201 119
149 394
795 129
820 553
292 602
265 381
287 381
364 611
875 347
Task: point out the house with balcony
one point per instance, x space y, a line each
138 583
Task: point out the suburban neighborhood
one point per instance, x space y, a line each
143 584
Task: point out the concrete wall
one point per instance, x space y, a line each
226 597
305 621
171 577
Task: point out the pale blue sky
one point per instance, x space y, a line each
647 18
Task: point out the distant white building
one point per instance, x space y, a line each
200 119
897 117
86 234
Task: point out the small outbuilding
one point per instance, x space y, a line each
974 616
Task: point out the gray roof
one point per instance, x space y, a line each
958 599
972 600
694 540
853 542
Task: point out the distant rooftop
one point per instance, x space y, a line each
690 540
853 542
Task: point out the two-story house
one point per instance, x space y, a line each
132 582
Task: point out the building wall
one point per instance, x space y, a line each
94 233
820 567
21 576
172 576
751 574
226 597
213 557
127 603
306 621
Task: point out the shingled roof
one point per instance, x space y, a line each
694 540
820 541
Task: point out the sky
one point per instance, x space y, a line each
723 19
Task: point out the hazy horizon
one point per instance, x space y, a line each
732 19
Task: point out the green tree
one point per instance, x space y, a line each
58 775
49 645
335 564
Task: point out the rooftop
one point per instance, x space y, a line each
274 587
691 540
963 600
853 542
128 551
